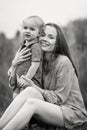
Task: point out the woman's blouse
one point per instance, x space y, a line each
62 88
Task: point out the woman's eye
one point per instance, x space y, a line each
51 37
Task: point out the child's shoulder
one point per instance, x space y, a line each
36 45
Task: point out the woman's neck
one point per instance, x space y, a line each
48 56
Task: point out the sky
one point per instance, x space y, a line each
12 12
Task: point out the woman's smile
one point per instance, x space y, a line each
45 43
48 39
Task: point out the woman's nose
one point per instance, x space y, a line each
44 39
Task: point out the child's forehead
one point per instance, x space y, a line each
30 22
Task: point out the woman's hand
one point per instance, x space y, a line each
21 55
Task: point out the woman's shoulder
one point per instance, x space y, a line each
63 60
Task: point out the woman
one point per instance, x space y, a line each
60 102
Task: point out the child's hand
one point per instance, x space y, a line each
29 81
22 83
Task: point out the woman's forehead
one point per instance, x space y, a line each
50 29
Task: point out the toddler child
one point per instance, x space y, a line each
31 68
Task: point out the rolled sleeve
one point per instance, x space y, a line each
36 52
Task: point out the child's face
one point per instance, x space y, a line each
30 30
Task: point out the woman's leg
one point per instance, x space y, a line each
16 104
48 112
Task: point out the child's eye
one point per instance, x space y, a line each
33 29
25 27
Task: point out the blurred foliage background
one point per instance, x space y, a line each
76 35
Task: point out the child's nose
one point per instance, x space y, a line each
28 31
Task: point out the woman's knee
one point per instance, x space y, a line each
33 103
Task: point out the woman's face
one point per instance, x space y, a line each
48 39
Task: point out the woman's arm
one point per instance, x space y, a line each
64 72
63 84
21 56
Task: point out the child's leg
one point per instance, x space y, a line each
16 104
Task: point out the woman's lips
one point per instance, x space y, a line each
45 44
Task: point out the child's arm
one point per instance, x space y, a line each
32 70
30 74
36 58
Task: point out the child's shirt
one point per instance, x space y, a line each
36 54
23 68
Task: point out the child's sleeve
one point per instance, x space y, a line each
36 52
35 60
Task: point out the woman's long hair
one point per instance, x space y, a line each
61 47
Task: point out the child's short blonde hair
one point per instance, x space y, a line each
37 21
